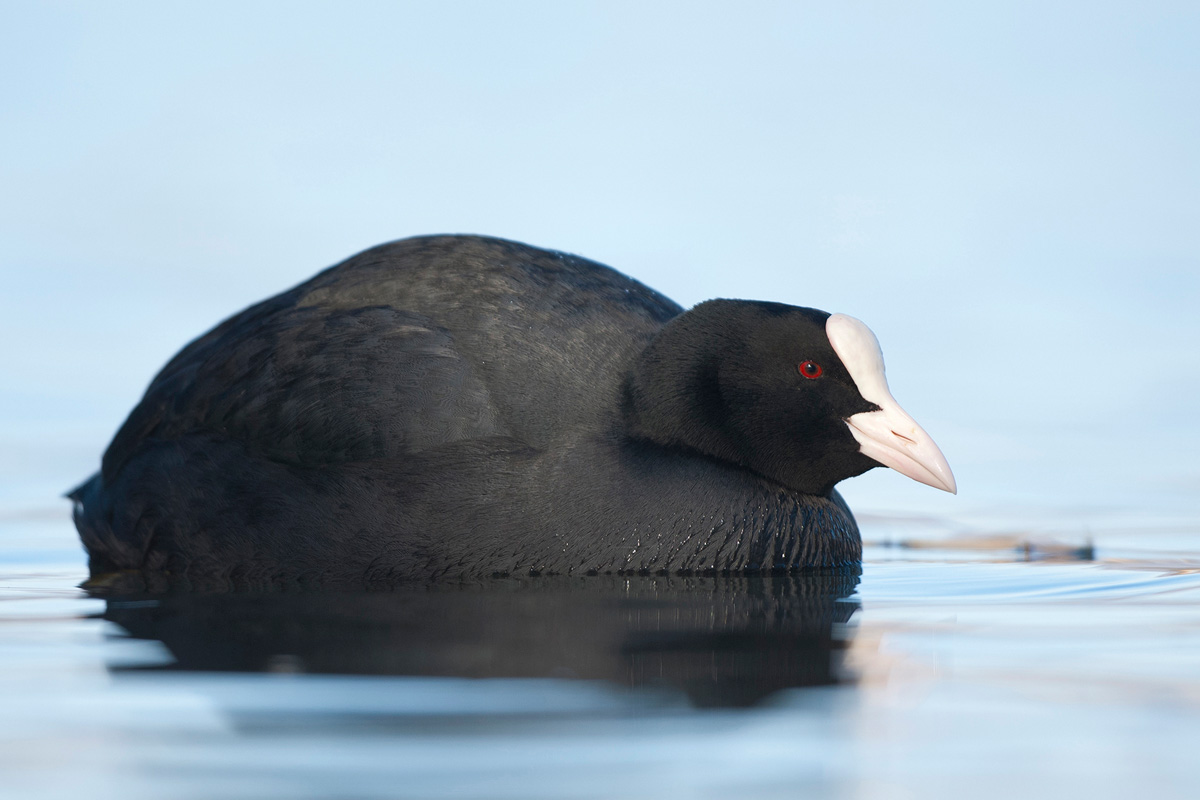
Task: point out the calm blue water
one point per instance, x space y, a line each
986 666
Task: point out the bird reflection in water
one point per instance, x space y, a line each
722 640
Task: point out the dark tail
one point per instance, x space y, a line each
78 492
106 553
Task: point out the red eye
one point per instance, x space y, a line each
810 369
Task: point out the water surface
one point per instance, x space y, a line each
986 666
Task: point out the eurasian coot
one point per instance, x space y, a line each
461 406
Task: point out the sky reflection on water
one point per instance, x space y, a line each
985 675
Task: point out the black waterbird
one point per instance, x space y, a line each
461 406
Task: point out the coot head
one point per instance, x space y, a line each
794 394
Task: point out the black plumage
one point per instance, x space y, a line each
459 406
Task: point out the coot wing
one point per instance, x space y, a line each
550 334
404 347
313 386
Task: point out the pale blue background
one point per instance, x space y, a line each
1008 195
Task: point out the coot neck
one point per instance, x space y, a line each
672 393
